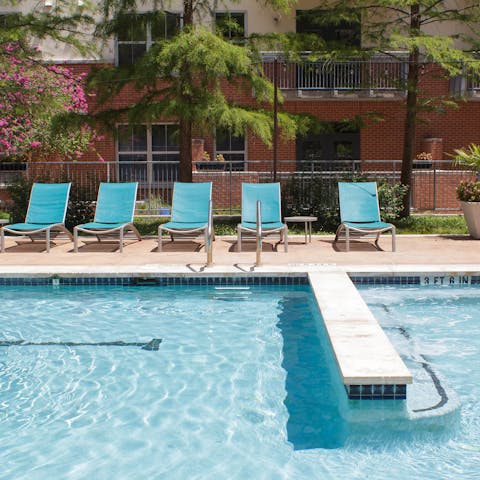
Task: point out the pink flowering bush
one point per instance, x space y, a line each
32 97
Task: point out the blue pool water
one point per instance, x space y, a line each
242 386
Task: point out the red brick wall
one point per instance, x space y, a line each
380 140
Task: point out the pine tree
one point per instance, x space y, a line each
185 78
422 29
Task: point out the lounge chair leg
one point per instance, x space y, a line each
239 239
2 241
75 240
208 247
347 239
285 238
394 239
121 240
47 234
160 241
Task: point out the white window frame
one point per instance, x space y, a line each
245 19
148 152
233 152
148 35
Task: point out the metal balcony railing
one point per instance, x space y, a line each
379 73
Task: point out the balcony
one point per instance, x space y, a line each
380 75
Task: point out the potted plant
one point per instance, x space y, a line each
468 192
208 164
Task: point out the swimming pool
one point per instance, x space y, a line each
241 386
436 329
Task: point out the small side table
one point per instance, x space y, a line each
307 220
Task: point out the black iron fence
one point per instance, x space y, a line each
309 182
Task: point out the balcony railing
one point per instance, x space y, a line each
379 73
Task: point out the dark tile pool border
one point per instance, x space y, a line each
440 279
376 392
160 281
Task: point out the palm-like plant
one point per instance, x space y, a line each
469 157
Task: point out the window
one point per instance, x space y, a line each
138 32
345 33
148 154
337 148
232 148
231 25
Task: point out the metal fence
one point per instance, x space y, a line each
307 182
381 72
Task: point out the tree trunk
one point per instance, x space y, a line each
411 111
185 133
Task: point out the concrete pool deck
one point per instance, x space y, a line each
364 355
412 250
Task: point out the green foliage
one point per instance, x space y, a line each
415 224
319 197
152 204
469 192
196 64
81 208
432 224
468 157
390 198
19 192
66 23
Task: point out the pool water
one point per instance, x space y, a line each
242 386
438 327
212 402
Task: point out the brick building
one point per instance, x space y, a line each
330 91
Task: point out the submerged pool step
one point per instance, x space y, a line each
231 293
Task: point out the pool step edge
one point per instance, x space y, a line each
369 365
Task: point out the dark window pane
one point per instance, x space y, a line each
164 25
132 138
132 28
343 150
124 138
347 33
172 24
172 137
129 53
159 141
237 143
158 28
222 140
225 141
230 25
139 138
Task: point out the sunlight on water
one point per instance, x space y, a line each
241 386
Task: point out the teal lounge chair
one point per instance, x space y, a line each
113 213
191 214
46 213
261 212
360 213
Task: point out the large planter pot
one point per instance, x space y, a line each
471 211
